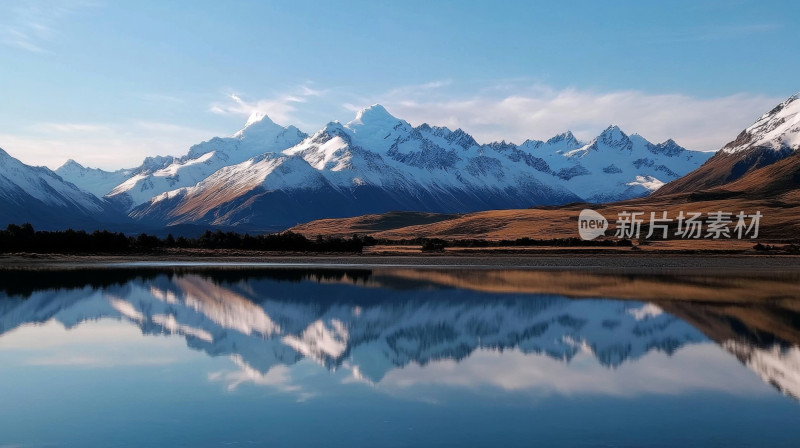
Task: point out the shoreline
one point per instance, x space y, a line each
612 262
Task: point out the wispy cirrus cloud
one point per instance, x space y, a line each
516 110
281 108
712 33
69 128
101 145
160 98
30 25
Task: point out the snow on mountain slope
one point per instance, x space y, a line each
427 169
615 166
93 180
259 135
39 196
378 163
772 138
376 129
230 195
778 129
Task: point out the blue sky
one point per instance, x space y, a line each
107 83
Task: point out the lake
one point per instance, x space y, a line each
268 356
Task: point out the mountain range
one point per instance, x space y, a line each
268 176
759 170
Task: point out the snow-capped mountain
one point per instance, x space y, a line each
615 166
93 180
100 182
775 136
41 197
378 163
267 176
778 129
132 187
372 164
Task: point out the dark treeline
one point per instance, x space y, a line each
25 239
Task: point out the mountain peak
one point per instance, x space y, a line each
778 129
566 137
257 117
72 164
334 127
668 148
258 122
373 115
613 136
781 109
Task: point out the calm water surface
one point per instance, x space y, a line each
212 357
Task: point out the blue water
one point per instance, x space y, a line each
340 359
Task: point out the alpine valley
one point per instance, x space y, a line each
271 177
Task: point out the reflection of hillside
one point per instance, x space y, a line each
765 338
778 365
720 286
724 287
760 325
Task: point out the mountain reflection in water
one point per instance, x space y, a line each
377 322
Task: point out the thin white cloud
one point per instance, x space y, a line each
515 113
308 91
280 108
161 98
413 91
69 128
711 33
101 145
30 25
15 37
